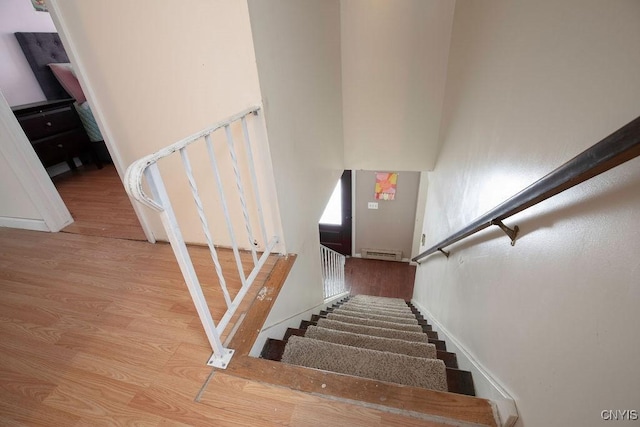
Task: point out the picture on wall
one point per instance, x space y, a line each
39 5
386 185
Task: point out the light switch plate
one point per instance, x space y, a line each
373 205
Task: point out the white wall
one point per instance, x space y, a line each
159 73
297 46
17 81
391 226
394 59
554 318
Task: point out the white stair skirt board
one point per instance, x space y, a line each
278 329
486 386
25 224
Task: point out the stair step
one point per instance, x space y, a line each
376 323
408 348
372 330
425 328
386 313
449 359
293 331
372 316
370 299
440 344
273 349
400 312
379 365
346 322
461 382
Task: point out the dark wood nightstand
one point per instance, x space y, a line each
55 131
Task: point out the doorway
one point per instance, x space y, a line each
336 221
96 198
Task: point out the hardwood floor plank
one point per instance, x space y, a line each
380 278
98 203
96 410
165 403
268 409
44 334
23 412
24 386
189 362
89 325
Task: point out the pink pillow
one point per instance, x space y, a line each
64 73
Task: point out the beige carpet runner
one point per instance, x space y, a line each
370 337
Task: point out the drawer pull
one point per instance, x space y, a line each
60 145
49 124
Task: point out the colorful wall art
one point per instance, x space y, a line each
386 183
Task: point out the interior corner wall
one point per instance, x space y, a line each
17 82
391 225
553 318
297 48
394 60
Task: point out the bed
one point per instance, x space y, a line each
50 65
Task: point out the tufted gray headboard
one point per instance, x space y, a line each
41 49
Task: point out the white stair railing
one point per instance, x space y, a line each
332 272
147 168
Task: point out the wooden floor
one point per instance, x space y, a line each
98 203
380 278
97 331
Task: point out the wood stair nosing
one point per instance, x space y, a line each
458 381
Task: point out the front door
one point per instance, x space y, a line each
335 225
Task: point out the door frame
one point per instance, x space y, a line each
33 177
346 180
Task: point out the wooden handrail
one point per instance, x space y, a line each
615 149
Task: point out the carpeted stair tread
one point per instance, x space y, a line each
376 323
373 331
378 307
378 365
370 299
405 320
398 307
409 348
360 309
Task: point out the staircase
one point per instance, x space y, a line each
384 339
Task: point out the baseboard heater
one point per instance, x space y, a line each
384 254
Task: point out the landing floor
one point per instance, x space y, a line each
380 278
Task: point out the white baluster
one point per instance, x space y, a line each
205 225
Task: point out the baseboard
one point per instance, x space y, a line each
485 384
277 330
25 224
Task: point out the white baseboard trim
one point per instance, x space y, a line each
277 330
25 224
485 385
